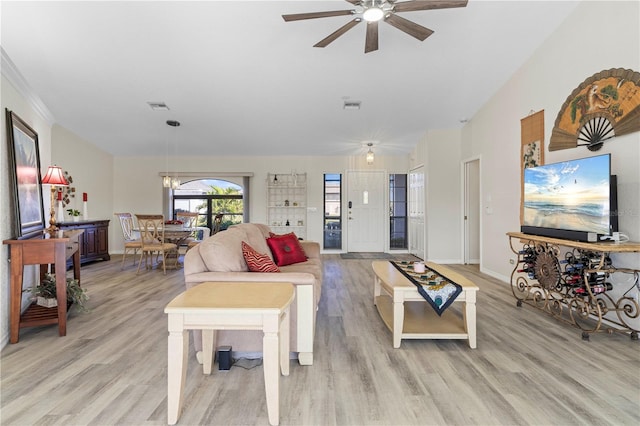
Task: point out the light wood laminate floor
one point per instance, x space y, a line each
528 369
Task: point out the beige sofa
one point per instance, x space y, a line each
219 258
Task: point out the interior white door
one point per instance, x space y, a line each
416 212
472 212
366 211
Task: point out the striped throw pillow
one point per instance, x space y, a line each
258 262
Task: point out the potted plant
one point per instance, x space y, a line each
46 293
74 213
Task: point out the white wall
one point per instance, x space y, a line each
138 187
565 60
91 170
443 208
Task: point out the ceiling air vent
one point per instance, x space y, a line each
158 106
352 105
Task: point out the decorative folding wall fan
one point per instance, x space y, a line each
605 105
374 11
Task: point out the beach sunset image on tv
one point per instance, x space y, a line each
571 195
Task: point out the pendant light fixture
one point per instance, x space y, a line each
167 181
370 156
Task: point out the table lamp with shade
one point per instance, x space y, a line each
54 177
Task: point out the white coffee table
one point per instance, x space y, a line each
214 306
408 315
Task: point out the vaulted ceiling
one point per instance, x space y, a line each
243 82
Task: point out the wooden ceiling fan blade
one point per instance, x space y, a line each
371 42
409 6
314 15
337 33
409 27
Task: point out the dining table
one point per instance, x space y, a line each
178 235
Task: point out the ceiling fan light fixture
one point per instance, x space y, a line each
373 14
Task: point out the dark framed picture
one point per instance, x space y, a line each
24 161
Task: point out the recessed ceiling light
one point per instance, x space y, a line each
158 106
351 105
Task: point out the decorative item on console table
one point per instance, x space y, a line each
85 211
95 239
46 293
75 214
574 287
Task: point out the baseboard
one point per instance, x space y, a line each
495 275
446 261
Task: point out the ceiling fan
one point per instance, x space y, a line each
373 11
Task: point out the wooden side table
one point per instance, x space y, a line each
214 306
42 251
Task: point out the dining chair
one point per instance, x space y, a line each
152 237
131 238
217 222
189 220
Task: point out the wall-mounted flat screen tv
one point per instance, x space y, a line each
574 199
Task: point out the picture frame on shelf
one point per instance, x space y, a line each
24 163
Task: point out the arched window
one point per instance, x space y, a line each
209 197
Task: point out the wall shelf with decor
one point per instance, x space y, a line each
287 203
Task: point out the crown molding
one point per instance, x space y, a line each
12 73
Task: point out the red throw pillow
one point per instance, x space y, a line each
257 262
286 249
271 235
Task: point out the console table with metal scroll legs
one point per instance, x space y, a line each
42 251
570 280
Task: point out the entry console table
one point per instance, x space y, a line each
570 280
42 251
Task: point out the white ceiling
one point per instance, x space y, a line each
243 82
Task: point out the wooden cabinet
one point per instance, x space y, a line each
287 203
95 239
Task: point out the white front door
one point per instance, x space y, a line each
366 211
